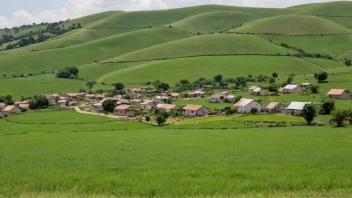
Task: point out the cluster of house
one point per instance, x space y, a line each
15 108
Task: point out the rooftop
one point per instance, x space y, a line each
290 86
123 107
166 106
243 102
297 105
192 107
336 91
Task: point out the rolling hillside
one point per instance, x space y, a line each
338 8
214 21
207 45
288 25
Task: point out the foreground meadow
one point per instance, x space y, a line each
116 158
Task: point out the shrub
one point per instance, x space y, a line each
309 113
327 107
339 117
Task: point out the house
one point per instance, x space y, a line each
62 103
306 85
100 96
292 89
195 111
55 96
174 96
11 109
246 105
295 108
123 101
275 107
196 94
90 97
257 91
2 105
167 107
98 107
148 104
161 99
23 106
338 94
252 88
135 92
125 110
75 96
17 104
221 96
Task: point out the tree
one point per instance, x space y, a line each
63 74
321 77
348 63
218 78
161 117
339 117
272 80
289 80
90 84
119 86
74 71
164 86
275 75
109 106
309 113
241 81
39 102
273 88
327 107
314 89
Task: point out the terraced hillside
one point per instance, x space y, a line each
187 43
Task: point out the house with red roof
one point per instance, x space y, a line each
338 94
275 107
11 109
195 111
125 110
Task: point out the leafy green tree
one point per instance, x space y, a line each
273 88
327 107
39 102
109 106
73 71
321 77
348 63
164 86
339 117
272 80
309 113
119 86
218 78
275 75
161 117
314 89
63 74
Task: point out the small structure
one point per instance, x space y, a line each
257 91
161 99
123 101
100 96
148 104
295 108
275 107
11 109
246 105
222 96
196 94
23 107
125 110
75 96
62 103
306 85
167 107
17 104
2 105
55 96
292 89
338 94
174 96
90 97
195 111
252 88
98 107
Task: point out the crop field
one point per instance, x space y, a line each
142 161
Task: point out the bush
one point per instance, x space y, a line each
327 107
309 113
321 77
339 117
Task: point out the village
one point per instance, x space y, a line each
134 105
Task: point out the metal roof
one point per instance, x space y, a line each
297 105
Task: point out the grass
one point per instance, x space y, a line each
173 71
329 45
207 45
288 25
340 8
214 21
46 160
101 49
43 84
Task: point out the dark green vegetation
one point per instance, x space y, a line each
45 153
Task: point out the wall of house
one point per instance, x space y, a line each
343 96
249 107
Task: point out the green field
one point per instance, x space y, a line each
50 159
44 84
339 8
173 71
287 25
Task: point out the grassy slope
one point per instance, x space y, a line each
341 8
101 49
344 21
173 71
331 45
141 163
144 19
18 87
214 21
91 19
216 44
288 25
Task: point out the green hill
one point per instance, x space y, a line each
214 21
293 25
101 49
217 44
174 70
339 8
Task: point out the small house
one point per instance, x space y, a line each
174 96
292 89
75 96
55 96
196 94
62 103
338 94
295 108
17 104
23 107
306 85
2 105
252 88
98 107
125 110
161 99
90 97
167 107
222 96
275 107
195 111
11 109
148 104
257 91
246 105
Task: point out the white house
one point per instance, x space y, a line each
257 91
148 104
221 96
250 90
292 89
245 105
98 107
295 108
195 111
